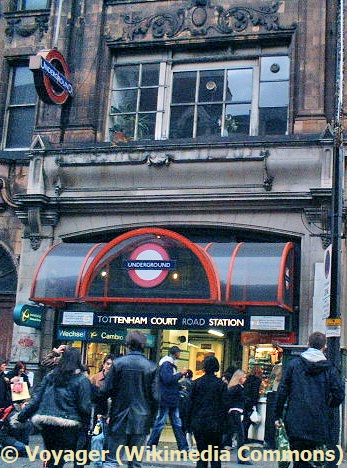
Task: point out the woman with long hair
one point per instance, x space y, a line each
61 405
18 372
235 402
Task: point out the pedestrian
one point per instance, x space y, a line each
252 388
98 379
184 405
207 411
5 387
169 399
235 403
18 372
61 405
310 386
129 384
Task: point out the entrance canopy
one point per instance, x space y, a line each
156 265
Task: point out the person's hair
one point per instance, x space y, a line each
189 374
210 364
236 377
18 366
3 360
69 362
135 341
106 358
317 340
257 370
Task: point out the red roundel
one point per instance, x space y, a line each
55 92
146 255
51 77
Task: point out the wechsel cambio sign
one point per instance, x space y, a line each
51 76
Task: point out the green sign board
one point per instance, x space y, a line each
27 315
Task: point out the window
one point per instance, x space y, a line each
20 110
160 100
134 100
32 4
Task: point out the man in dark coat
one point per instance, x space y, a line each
207 411
310 385
129 384
169 400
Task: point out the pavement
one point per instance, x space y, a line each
168 453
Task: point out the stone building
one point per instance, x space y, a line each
175 176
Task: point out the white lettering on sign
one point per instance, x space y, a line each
216 322
117 319
190 322
164 321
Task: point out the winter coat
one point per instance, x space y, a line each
207 412
5 392
235 397
68 405
168 382
252 387
129 384
310 385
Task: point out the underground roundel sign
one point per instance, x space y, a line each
51 76
149 265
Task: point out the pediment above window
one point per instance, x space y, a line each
201 19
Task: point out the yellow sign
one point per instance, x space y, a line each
334 322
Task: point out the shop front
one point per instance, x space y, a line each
205 297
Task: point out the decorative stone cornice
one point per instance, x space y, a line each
26 24
198 20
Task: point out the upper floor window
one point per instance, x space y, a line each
20 5
20 108
160 100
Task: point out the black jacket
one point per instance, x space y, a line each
309 388
5 392
68 405
235 397
207 412
252 387
129 384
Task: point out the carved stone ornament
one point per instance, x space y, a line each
200 19
17 25
158 159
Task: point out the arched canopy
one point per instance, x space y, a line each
255 274
57 278
156 265
151 265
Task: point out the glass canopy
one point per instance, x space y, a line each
160 266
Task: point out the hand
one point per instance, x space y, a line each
60 349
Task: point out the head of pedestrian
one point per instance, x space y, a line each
135 341
175 352
107 363
317 340
210 365
3 364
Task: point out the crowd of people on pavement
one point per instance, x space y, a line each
129 401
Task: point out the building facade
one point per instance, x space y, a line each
175 176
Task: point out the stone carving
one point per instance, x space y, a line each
199 19
16 25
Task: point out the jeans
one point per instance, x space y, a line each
176 424
117 439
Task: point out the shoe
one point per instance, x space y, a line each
246 462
